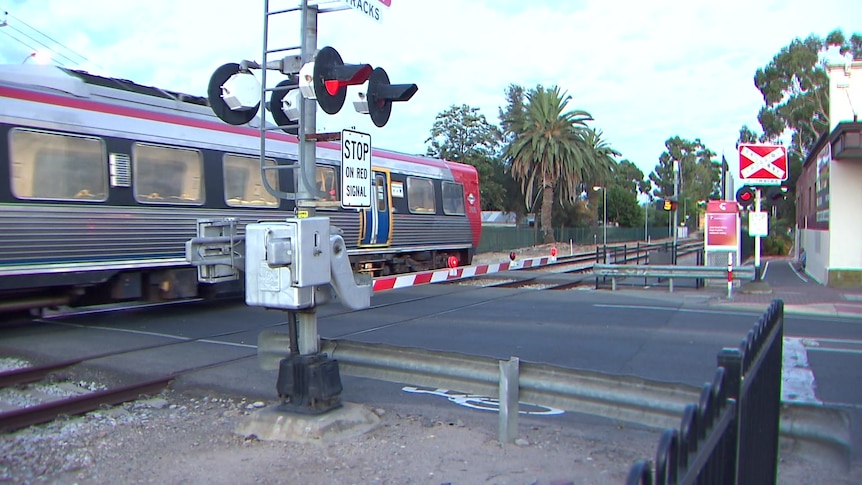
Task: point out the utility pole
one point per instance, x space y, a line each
646 222
757 201
676 209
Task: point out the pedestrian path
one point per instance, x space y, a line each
800 293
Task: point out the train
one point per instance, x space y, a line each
105 180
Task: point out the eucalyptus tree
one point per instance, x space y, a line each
699 174
795 89
462 134
547 150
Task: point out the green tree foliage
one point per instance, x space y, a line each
602 164
547 149
462 134
628 176
623 209
795 89
700 175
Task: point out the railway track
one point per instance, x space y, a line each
36 394
567 273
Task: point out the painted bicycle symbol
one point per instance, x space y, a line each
482 403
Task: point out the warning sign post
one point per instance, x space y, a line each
355 169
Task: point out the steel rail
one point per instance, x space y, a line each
42 413
24 375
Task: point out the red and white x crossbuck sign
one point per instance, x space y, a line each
762 164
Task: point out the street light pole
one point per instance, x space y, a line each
605 218
676 210
646 222
605 206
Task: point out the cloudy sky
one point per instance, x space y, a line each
646 71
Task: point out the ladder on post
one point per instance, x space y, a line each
306 125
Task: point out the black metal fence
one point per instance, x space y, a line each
731 435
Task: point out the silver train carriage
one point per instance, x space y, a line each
105 180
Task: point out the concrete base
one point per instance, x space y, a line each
756 288
274 424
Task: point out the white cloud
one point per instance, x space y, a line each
647 71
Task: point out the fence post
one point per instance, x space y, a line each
509 398
731 361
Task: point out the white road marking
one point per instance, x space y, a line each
797 378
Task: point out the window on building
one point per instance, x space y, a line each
167 175
243 185
57 166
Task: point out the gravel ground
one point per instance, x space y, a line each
178 437
187 437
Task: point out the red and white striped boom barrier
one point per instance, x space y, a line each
437 276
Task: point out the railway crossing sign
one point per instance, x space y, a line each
373 9
355 169
762 164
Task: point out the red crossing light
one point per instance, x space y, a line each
745 196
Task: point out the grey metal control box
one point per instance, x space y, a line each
286 261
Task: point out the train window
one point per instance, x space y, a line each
56 166
420 195
167 175
327 182
453 199
243 186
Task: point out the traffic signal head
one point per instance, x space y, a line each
670 205
777 193
745 196
232 95
327 78
381 94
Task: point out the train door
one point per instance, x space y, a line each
376 227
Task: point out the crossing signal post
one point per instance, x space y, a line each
296 264
745 196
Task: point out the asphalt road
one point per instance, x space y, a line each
654 335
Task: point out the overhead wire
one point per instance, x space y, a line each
46 42
53 40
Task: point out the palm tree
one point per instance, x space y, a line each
602 163
548 150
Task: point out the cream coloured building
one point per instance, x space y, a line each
829 189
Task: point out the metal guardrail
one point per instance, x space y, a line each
628 398
670 272
633 399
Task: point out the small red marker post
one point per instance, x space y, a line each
730 276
